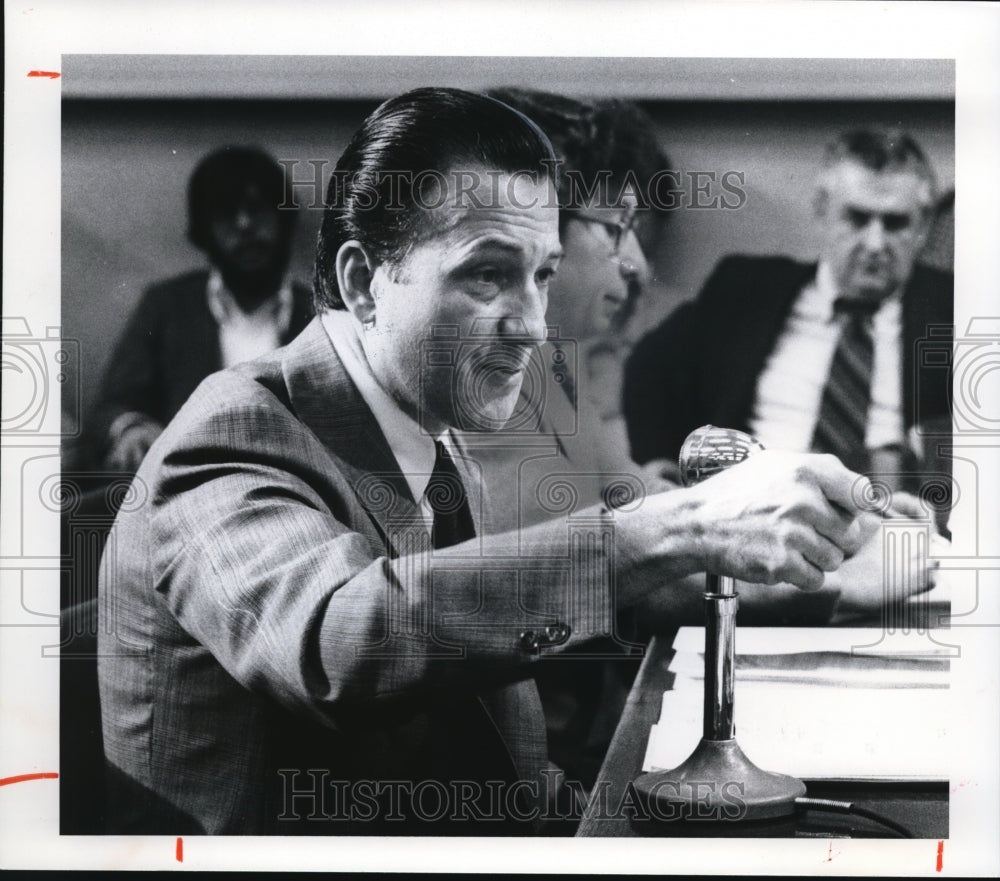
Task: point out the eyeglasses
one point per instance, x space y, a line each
617 229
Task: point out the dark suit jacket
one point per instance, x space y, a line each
272 626
701 365
169 345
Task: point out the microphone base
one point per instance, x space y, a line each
718 782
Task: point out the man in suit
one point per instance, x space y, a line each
765 346
609 151
189 326
306 629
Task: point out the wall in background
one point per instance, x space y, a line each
777 146
125 165
691 78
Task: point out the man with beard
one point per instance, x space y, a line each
187 327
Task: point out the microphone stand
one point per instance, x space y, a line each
717 781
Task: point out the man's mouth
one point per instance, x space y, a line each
485 380
880 266
507 363
252 253
612 306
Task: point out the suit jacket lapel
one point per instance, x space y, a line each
302 312
330 405
913 316
472 479
928 316
199 333
748 337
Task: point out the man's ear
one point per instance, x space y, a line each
821 202
928 214
355 269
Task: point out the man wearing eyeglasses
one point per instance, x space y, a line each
605 266
571 421
308 626
564 448
812 357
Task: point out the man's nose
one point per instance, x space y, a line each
632 261
243 218
874 235
525 319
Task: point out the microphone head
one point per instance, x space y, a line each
709 450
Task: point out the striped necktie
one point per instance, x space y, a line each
446 495
843 414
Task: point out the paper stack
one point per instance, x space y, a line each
819 704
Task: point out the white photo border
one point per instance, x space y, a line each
37 39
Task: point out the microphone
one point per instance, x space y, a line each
709 450
718 762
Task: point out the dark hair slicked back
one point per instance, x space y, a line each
880 150
372 194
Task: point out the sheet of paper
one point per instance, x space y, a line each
853 640
868 724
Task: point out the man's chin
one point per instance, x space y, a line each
488 414
874 288
258 278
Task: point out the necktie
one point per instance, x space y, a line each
446 495
843 413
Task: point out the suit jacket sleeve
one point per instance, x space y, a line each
263 554
131 380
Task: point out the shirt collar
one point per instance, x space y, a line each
822 294
412 447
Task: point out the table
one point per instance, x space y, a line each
614 811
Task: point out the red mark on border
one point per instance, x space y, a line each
940 857
180 850
51 74
21 778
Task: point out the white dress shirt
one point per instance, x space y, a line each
244 336
412 447
790 388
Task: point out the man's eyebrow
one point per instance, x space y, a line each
494 242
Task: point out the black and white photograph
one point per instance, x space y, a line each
426 427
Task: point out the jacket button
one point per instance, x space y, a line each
528 640
557 633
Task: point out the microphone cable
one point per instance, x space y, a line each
846 807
